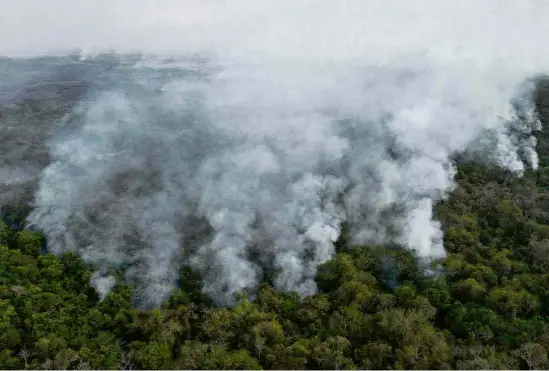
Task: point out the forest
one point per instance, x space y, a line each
485 308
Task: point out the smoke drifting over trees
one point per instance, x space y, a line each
238 139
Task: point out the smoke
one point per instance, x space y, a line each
239 136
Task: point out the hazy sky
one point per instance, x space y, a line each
479 31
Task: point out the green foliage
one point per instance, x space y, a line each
29 242
4 233
486 308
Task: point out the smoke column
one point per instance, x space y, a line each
239 136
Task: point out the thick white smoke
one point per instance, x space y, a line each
245 133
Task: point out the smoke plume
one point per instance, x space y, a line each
239 136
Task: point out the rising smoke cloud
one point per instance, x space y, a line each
240 135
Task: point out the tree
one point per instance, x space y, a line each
29 242
155 355
533 354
